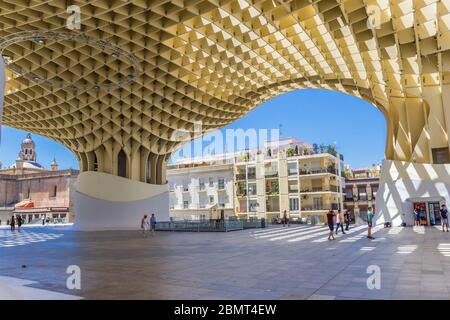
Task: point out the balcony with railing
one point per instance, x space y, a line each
293 186
331 170
329 188
272 188
271 174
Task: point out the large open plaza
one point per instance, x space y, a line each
244 133
296 262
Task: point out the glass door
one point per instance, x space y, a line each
435 214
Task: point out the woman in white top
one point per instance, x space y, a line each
144 226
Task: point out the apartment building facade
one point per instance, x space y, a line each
288 175
201 190
304 185
361 187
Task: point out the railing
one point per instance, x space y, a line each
200 226
251 176
319 189
252 223
317 171
271 175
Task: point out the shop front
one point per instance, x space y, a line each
428 211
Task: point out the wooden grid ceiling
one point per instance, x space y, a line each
211 61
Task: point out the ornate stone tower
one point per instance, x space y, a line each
54 165
27 149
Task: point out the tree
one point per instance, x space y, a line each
331 149
290 152
316 148
322 148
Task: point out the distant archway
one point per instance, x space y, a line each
122 164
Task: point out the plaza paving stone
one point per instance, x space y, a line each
296 262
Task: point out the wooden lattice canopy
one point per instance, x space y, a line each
212 61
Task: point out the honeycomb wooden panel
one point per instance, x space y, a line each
212 61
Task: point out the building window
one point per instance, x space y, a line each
440 155
374 191
122 164
293 204
253 205
318 203
251 173
362 192
252 189
53 191
185 204
221 184
349 193
211 199
27 193
292 168
211 182
202 184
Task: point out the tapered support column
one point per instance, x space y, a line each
107 202
2 90
403 183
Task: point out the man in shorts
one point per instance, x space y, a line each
330 222
369 223
444 217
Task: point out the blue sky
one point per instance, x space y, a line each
317 116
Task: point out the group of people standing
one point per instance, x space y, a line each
339 220
15 220
147 224
420 215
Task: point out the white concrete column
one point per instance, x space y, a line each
107 202
403 183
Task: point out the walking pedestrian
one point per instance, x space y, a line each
444 217
153 224
19 222
144 226
369 223
330 222
340 221
13 223
347 219
285 219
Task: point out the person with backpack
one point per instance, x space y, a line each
444 217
